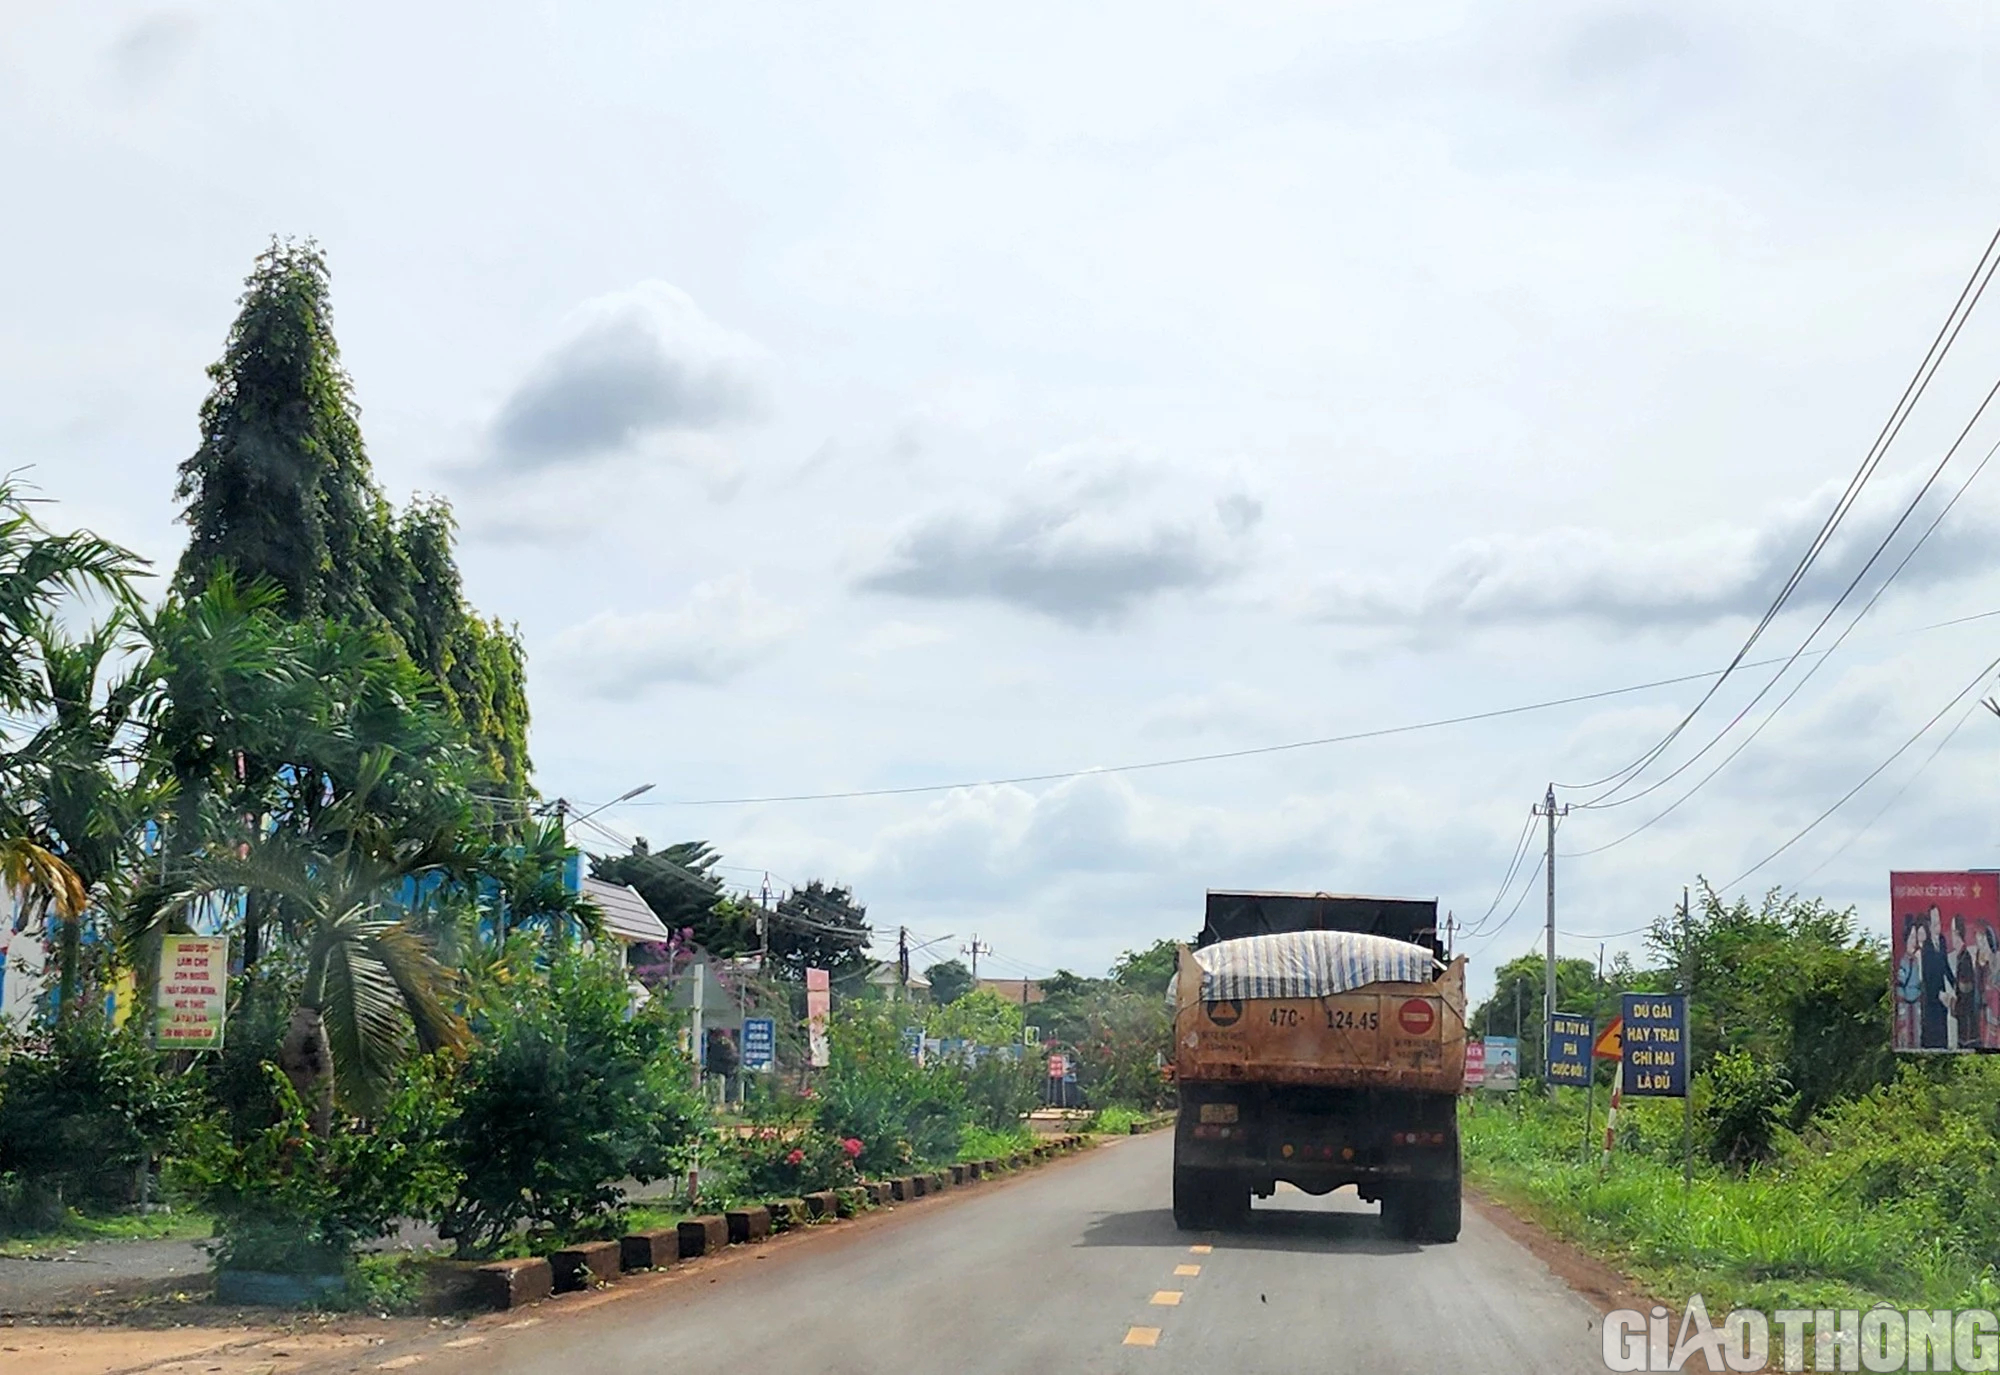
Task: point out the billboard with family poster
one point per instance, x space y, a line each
1945 974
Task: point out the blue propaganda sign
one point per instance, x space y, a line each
913 1042
760 1043
1655 1051
1570 1036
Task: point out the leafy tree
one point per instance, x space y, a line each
982 1017
279 485
81 803
564 1095
1148 970
530 890
1792 982
82 1106
280 488
679 884
38 569
372 989
950 980
819 927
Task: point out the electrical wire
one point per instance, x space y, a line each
1983 675
1913 391
1896 796
1805 678
1869 605
1352 737
1474 927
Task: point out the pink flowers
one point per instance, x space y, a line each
852 1145
797 1157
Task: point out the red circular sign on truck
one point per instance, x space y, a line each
1416 1016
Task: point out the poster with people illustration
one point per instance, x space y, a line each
1945 970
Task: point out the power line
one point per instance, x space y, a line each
1350 738
1922 730
1808 675
1896 796
1913 391
1868 606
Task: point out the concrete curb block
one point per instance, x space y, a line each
506 1284
787 1213
747 1224
584 1265
822 1205
703 1236
649 1250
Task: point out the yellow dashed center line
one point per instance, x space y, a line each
1187 1269
1167 1298
1142 1336
1201 1250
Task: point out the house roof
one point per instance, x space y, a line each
883 975
626 914
1011 989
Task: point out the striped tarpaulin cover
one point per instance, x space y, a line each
1307 964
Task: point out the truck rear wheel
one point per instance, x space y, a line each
1208 1199
1443 1210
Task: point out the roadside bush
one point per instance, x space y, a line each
564 1095
775 1163
82 1107
1001 1089
901 1112
1122 1049
237 1080
289 1201
1747 1105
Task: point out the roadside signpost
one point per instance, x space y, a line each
1569 1049
194 992
760 1044
819 1004
1655 1058
1503 1063
1475 1065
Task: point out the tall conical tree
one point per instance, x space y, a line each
280 486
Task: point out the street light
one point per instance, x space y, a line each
622 797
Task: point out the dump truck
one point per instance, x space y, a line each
1319 1040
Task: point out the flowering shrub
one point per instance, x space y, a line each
779 1162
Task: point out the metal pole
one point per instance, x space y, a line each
1687 1047
1549 973
1590 1057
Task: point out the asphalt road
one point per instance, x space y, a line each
1076 1267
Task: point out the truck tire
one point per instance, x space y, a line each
1207 1200
1192 1192
1443 1207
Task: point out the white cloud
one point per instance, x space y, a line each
724 629
633 368
1710 574
1084 536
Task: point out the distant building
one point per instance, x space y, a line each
882 975
1020 992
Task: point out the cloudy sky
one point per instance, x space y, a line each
868 397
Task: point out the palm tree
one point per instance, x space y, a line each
373 988
532 890
80 805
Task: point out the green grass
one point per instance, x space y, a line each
984 1143
79 1227
1771 1238
1118 1120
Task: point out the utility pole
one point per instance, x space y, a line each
1548 809
764 928
1687 1047
903 961
975 950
